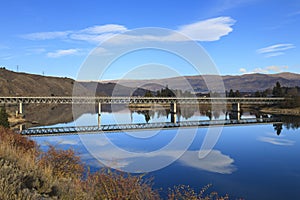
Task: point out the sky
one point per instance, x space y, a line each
56 37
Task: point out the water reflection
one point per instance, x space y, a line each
244 157
101 153
290 122
277 141
277 128
215 161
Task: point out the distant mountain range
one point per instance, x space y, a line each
243 83
23 84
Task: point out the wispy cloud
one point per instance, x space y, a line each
47 35
91 34
6 57
206 30
266 70
275 50
3 46
224 5
104 29
293 14
277 141
62 52
35 51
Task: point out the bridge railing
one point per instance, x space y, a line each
138 100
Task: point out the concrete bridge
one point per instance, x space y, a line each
172 101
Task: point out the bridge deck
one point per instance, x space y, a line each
142 126
137 100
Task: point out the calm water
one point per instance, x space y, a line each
252 162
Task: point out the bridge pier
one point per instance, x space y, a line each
20 108
99 114
19 112
173 111
236 110
21 127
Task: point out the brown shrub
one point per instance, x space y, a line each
183 192
117 185
16 140
64 163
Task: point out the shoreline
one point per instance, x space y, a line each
282 111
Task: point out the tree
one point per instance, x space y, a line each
237 93
231 93
4 117
257 94
277 90
148 94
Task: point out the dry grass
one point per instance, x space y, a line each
28 173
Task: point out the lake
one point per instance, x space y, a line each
249 161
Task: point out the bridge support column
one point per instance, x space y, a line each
21 127
99 114
20 111
236 110
173 111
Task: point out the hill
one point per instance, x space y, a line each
23 84
243 83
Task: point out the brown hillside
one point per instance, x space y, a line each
22 84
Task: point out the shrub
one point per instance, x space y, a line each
4 117
64 163
183 192
118 185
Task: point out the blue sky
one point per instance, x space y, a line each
55 37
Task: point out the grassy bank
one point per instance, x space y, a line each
282 111
28 173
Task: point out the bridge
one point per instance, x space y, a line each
138 100
143 126
172 101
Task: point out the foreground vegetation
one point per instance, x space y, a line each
28 173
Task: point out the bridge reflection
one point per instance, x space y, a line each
144 126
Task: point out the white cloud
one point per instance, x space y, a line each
208 30
277 141
276 68
91 38
243 70
63 52
269 55
268 69
275 50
